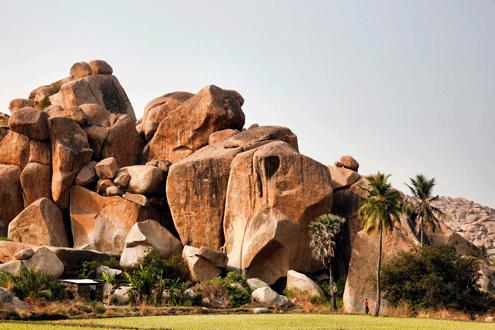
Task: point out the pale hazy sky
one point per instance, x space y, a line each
405 87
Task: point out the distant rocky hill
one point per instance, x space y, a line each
473 221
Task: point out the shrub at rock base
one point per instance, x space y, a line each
433 279
157 278
31 284
236 287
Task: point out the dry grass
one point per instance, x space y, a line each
283 322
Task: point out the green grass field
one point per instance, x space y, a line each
250 322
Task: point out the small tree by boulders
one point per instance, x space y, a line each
435 278
323 232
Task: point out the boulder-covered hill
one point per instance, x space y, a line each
473 221
80 176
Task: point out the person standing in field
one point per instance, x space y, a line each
366 308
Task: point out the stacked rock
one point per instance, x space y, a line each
77 171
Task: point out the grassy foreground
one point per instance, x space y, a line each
249 321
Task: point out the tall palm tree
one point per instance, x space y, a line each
380 209
323 232
421 204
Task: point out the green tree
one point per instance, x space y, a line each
435 277
380 209
323 232
421 204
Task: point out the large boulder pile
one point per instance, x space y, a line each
79 176
473 221
77 170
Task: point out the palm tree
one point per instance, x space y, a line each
380 209
421 204
323 232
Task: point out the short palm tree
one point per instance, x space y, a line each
380 209
323 232
421 204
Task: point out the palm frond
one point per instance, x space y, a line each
382 206
323 232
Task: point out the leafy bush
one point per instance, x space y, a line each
32 284
55 86
99 308
144 283
434 278
173 267
215 295
236 287
45 102
87 268
156 278
174 292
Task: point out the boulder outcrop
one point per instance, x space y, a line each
40 223
266 234
217 258
100 67
266 295
123 142
42 260
342 177
102 223
70 153
80 70
197 185
157 109
348 162
187 128
8 301
45 261
30 122
474 222
144 179
87 175
256 283
36 180
104 90
144 237
106 168
74 113
222 135
15 149
10 195
362 266
16 104
200 269
40 152
303 283
187 178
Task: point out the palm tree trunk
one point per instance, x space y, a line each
421 234
378 291
330 286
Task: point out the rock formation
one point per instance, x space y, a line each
198 206
187 128
81 179
266 233
40 223
144 237
102 223
473 221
